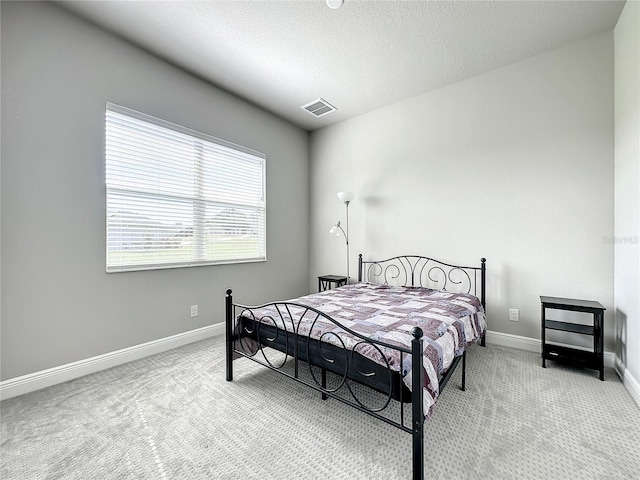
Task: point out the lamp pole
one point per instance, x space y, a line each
346 198
347 202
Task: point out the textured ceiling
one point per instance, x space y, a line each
281 55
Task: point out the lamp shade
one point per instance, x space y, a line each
345 196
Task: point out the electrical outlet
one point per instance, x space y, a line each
194 311
514 314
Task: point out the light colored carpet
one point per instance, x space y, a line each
173 416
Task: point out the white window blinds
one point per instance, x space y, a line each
177 197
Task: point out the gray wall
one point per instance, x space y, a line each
58 304
627 185
515 165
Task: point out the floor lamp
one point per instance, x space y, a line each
346 198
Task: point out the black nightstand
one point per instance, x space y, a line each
590 359
325 281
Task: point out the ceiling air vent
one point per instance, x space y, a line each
319 107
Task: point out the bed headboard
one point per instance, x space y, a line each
419 271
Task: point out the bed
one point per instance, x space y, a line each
366 337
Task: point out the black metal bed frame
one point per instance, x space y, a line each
348 364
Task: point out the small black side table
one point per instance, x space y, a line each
590 359
325 281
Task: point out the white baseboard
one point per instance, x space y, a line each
534 345
630 382
45 378
513 341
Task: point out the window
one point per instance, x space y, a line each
178 198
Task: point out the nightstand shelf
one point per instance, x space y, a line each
586 358
570 327
575 356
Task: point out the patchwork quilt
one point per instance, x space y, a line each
451 322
